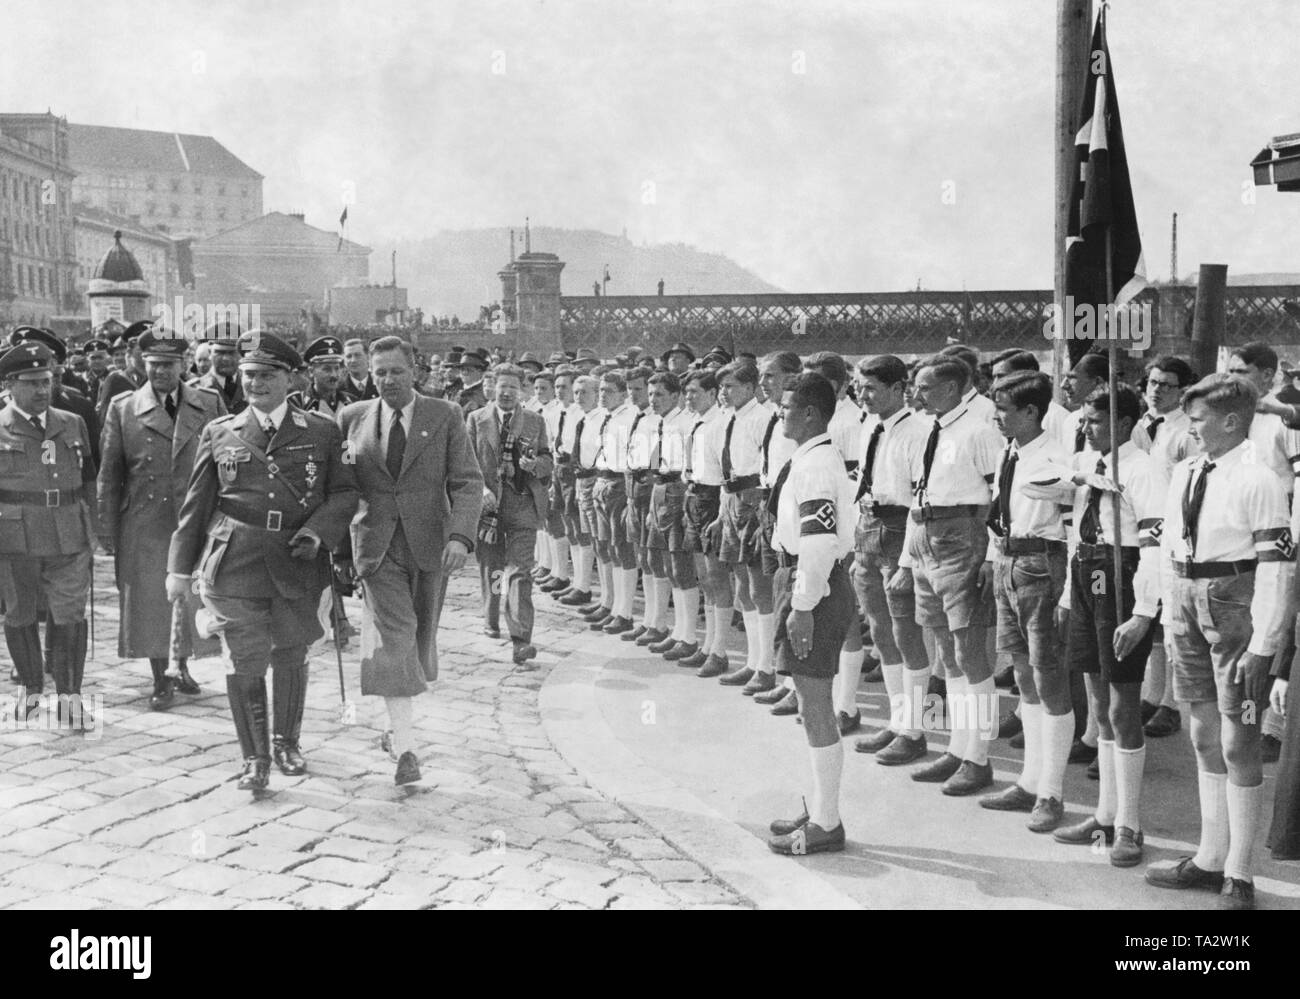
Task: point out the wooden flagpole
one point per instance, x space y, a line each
1112 351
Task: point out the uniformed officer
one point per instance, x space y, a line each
63 396
97 359
326 392
150 440
223 341
813 500
270 490
473 364
46 530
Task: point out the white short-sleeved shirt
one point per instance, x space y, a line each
964 461
815 518
641 440
670 446
777 450
845 429
747 427
705 444
616 433
891 479
590 439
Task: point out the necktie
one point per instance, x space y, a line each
577 441
1193 497
559 433
927 461
726 449
1153 424
690 447
869 467
773 501
396 446
1079 440
170 405
1000 515
38 424
631 437
767 439
269 428
601 439
1090 524
658 457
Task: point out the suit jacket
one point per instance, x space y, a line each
72 401
32 463
366 390
437 495
143 479
113 384
529 432
225 529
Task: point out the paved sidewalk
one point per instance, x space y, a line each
145 812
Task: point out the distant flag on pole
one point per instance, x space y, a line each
1102 197
343 221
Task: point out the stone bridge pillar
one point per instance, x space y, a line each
536 279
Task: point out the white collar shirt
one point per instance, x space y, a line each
591 423
891 482
814 518
386 413
964 461
747 426
670 448
705 447
777 450
276 415
615 434
641 440
845 428
1034 513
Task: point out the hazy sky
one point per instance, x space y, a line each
810 141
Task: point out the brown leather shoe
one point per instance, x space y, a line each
714 665
695 660
617 625
664 645
634 634
809 838
737 677
575 598
758 683
1185 874
773 695
1237 894
1166 721
651 638
849 723
787 705
969 778
1084 833
783 827
938 771
875 742
901 751
1127 851
1048 813
1013 799
408 769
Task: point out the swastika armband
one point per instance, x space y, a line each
1274 545
1149 532
817 516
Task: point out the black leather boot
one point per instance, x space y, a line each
290 691
162 695
72 646
29 663
181 680
248 709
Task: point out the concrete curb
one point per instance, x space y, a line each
577 730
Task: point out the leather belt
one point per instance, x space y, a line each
269 520
609 476
946 512
662 477
1083 550
585 473
1028 546
703 489
886 511
563 459
1214 570
43 497
638 475
787 561
741 483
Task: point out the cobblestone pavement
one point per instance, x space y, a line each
144 812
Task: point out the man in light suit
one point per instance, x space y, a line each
150 441
515 456
421 494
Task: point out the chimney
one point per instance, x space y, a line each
297 215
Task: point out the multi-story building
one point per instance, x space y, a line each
36 245
188 185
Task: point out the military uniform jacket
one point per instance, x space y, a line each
240 512
72 401
46 485
147 464
311 400
234 399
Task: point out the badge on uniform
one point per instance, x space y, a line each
299 421
229 459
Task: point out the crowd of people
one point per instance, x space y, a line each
959 518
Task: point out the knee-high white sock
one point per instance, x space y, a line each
827 766
721 629
893 673
1058 737
690 614
983 717
651 603
958 711
606 573
752 638
1106 792
1243 824
560 566
542 551
915 684
710 616
582 568
1031 717
846 683
399 719
766 643
662 588
629 592
1129 764
615 601
1213 852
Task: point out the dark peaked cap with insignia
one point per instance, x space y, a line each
163 345
38 334
224 332
29 358
324 348
258 348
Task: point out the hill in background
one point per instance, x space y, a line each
455 272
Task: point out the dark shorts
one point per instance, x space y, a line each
610 496
586 503
701 508
831 618
638 511
741 534
878 543
1027 589
1210 626
948 555
767 525
1090 643
665 521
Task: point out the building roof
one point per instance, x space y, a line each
132 228
106 148
279 231
119 264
